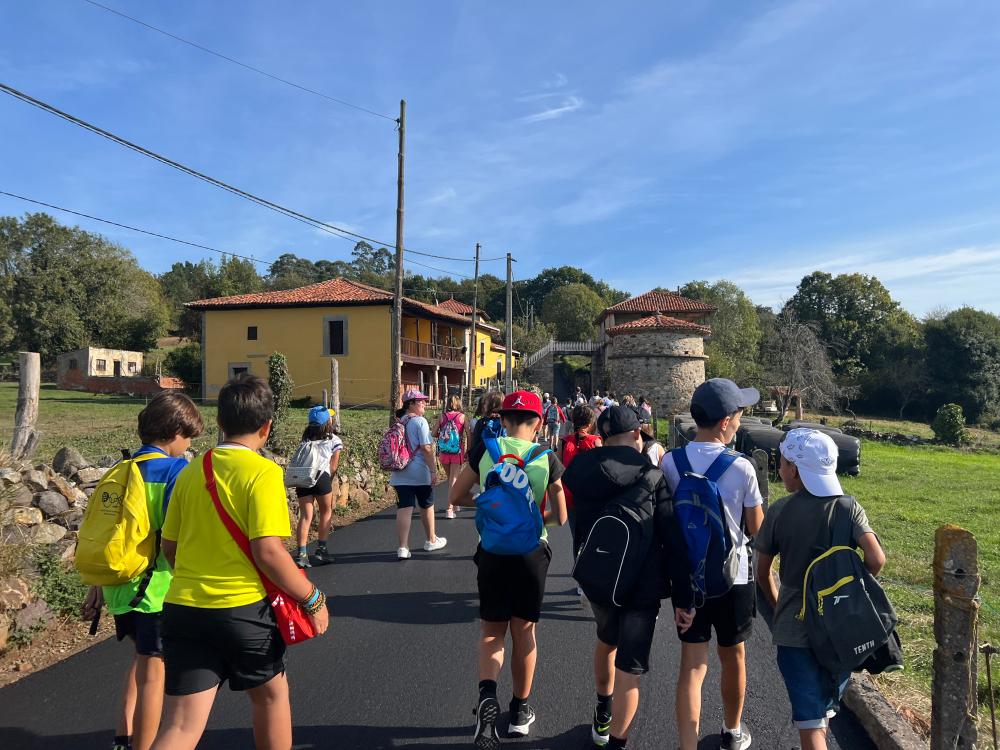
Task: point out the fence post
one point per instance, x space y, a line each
25 439
335 390
954 680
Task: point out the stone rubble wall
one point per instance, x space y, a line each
663 366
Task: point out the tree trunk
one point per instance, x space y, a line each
25 439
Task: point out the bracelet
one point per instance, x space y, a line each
316 606
311 599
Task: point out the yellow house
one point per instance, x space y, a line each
343 320
490 353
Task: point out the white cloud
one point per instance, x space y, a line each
568 104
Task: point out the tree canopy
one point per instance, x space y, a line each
733 348
571 310
964 361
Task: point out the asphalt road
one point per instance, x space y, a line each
397 667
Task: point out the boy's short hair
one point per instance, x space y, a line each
167 415
245 404
519 418
702 419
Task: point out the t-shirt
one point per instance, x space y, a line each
654 451
540 474
210 570
797 528
327 447
738 488
573 446
416 473
159 475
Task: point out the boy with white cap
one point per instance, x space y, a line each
799 528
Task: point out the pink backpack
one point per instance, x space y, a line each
394 452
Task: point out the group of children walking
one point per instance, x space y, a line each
201 615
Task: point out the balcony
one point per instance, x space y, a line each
433 353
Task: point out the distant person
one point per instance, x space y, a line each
567 426
624 633
218 624
415 483
652 447
646 411
321 435
487 417
716 407
511 585
452 442
583 438
166 427
546 403
792 527
553 418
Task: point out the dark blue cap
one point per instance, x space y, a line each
719 397
617 419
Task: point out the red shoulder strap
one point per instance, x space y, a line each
234 531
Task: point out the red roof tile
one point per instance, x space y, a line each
660 323
455 306
659 302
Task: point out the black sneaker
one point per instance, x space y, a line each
600 728
520 720
323 556
736 740
486 737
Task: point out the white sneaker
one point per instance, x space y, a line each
435 545
449 513
403 554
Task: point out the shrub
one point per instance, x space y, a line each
184 362
949 425
58 583
282 386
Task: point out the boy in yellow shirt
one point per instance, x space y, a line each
217 622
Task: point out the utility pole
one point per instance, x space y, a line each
509 374
474 344
397 299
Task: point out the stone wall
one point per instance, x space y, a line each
541 373
663 366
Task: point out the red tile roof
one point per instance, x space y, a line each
455 306
659 302
332 293
660 323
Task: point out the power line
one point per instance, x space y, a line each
441 270
298 216
234 61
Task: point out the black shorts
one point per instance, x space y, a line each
143 629
408 495
512 585
203 648
323 486
731 615
630 631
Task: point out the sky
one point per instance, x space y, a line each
648 144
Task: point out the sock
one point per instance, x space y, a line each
487 689
614 743
302 550
321 544
738 729
604 704
123 741
516 704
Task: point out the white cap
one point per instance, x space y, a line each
815 456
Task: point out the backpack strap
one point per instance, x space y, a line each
681 460
721 464
534 453
492 446
842 522
147 576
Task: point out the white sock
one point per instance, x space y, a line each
738 730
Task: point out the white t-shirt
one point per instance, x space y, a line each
327 448
738 487
655 452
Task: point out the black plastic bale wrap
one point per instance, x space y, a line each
755 436
848 447
813 426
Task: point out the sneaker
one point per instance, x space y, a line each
435 545
486 737
303 560
736 741
523 718
450 513
600 728
323 556
403 554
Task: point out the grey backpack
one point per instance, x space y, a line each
305 466
846 612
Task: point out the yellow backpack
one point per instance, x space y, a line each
116 541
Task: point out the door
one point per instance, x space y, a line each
118 369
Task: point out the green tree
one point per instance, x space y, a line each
963 360
850 310
897 366
184 362
949 425
734 347
282 386
572 310
236 276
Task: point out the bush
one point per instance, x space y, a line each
184 362
58 583
282 386
949 425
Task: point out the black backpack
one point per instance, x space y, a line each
612 557
846 612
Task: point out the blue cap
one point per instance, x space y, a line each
319 415
720 397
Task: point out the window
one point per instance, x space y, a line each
482 352
335 336
133 367
238 368
72 364
101 365
251 333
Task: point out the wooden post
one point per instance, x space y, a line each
25 439
954 679
509 343
335 390
397 297
760 460
326 399
473 345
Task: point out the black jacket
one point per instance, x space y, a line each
598 475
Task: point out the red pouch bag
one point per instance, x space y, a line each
293 623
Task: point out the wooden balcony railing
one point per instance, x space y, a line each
427 350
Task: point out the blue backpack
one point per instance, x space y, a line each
713 559
507 517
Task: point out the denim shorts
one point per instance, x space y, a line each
814 693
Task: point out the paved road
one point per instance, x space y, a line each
397 668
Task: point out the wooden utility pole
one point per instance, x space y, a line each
335 390
474 344
25 439
509 374
397 299
956 608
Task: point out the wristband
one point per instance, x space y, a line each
315 607
311 599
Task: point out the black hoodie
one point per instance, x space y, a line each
598 475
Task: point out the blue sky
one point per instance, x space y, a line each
647 143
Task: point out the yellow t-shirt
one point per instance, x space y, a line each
210 570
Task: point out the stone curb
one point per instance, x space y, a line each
883 724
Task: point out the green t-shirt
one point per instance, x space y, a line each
159 474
